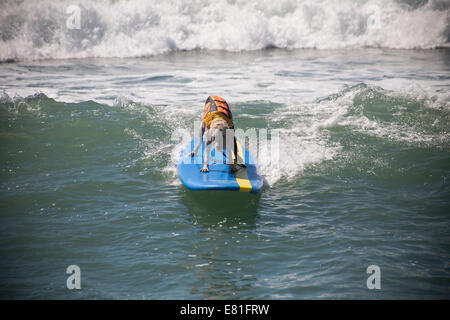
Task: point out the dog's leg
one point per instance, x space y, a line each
238 161
231 147
207 151
200 139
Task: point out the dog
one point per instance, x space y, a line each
218 129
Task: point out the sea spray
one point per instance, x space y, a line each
32 30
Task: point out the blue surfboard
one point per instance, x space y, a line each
220 175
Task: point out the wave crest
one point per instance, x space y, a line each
46 30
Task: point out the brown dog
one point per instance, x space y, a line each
218 129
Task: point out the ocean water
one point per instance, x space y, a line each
360 96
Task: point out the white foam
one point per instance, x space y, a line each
305 141
388 130
432 93
38 30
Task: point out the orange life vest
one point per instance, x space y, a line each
216 107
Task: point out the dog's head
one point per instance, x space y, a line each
219 129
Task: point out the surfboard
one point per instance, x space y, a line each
220 175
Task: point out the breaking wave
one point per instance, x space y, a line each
31 30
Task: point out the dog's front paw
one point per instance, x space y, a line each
204 169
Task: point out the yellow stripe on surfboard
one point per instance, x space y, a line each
241 174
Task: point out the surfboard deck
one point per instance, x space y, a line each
220 175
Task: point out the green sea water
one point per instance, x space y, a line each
88 177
